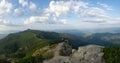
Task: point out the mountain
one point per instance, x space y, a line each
103 39
96 30
109 38
60 53
24 43
34 46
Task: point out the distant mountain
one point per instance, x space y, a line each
103 39
97 30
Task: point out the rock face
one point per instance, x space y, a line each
88 54
63 53
65 49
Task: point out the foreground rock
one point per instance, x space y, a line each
63 53
88 54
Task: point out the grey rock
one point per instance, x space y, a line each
85 54
88 54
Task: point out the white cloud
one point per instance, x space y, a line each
32 6
78 5
44 19
34 19
23 2
57 12
18 12
5 7
63 21
58 8
4 22
94 12
63 7
105 6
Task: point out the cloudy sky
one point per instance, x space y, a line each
58 14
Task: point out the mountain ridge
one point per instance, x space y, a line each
24 43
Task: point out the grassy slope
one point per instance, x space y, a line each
30 40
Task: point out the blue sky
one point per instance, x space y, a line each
58 14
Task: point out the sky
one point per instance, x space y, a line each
58 14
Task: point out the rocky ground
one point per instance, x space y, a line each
63 53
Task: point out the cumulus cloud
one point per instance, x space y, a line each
58 8
105 6
44 19
5 7
26 3
34 19
57 11
32 6
23 2
18 12
64 7
78 5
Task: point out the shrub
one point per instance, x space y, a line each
112 54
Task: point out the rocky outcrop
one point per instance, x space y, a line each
65 49
88 54
54 51
63 53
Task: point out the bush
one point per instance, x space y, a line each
112 54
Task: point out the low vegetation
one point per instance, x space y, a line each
112 54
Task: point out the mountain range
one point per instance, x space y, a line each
34 46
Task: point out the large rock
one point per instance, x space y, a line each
63 53
88 54
65 49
